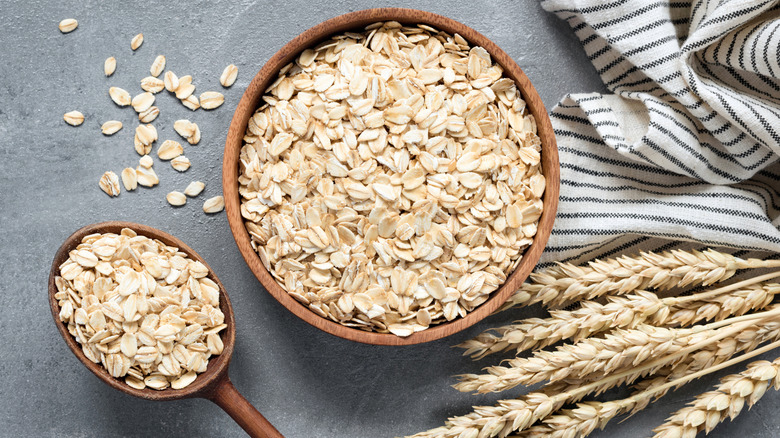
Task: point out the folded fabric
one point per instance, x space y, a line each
687 148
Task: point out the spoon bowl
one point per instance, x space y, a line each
213 384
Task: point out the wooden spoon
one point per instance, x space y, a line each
214 384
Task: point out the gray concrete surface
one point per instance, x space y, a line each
308 383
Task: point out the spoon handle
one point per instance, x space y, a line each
227 397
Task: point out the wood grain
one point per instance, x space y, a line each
213 384
225 395
356 21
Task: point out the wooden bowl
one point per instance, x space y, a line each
356 21
213 384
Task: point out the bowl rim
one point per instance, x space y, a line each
217 368
356 20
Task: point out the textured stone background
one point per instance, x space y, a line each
308 383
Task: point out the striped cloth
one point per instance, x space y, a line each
687 147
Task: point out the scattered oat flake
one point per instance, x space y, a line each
185 89
169 150
129 179
157 66
171 81
184 80
142 102
146 134
194 188
149 115
73 118
188 130
195 137
68 25
184 127
152 84
146 176
228 76
109 183
146 161
176 199
214 205
180 163
211 100
111 127
120 96
109 66
136 42
191 102
140 148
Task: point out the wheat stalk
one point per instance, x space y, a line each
566 283
618 350
727 400
577 360
508 415
584 419
710 355
622 312
592 317
714 354
753 297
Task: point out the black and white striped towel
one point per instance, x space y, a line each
687 148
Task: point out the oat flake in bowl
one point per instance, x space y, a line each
392 179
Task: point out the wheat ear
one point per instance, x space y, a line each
690 309
727 400
714 354
617 351
592 317
622 312
565 283
710 355
506 416
584 419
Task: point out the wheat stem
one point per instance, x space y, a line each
592 317
721 290
736 319
708 356
519 414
